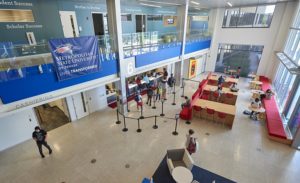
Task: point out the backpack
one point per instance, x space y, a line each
136 98
192 145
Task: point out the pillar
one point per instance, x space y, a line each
115 32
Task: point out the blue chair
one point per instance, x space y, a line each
146 180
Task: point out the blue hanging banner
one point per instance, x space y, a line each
74 57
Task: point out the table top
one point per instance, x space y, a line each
256 82
214 88
231 70
261 109
252 75
182 175
219 107
258 91
228 79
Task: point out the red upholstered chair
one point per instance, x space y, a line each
186 114
197 110
229 98
210 113
205 95
221 117
215 96
212 82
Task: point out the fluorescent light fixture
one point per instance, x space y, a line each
149 1
229 4
152 5
196 3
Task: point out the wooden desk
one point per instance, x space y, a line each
231 71
223 97
257 93
218 107
255 85
228 80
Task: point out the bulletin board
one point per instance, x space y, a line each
192 68
170 21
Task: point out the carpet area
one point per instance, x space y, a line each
162 175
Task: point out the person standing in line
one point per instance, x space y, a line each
171 83
146 79
40 136
163 83
139 100
191 142
149 96
158 91
165 72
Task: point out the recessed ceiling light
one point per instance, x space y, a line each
229 4
196 3
152 5
176 4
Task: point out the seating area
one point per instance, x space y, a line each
273 120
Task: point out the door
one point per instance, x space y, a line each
98 24
97 99
80 105
69 23
140 23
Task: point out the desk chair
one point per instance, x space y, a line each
197 110
210 112
222 117
229 98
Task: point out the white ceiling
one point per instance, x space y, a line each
204 3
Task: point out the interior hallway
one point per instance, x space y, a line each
243 154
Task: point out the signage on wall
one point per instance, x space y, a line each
192 68
74 57
23 26
15 3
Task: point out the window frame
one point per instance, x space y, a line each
252 26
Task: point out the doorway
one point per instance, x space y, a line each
53 115
69 23
80 105
140 23
98 24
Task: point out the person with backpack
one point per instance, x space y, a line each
149 96
191 142
40 136
139 100
171 83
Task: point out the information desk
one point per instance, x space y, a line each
227 83
223 98
229 110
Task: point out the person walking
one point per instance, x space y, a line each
191 142
40 136
139 100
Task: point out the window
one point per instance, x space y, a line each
232 56
252 16
154 17
126 17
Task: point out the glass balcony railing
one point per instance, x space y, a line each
20 56
144 42
195 36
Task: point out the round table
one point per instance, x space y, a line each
182 175
231 71
259 110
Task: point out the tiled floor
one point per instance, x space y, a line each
243 154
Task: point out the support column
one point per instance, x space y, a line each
183 14
115 32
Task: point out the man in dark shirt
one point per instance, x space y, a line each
39 136
221 80
165 72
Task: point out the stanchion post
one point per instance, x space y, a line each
154 100
162 107
139 130
175 132
174 88
142 117
124 129
174 98
127 106
182 87
155 125
118 120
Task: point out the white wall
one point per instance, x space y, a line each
271 38
16 128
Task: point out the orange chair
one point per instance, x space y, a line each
198 110
222 116
210 112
